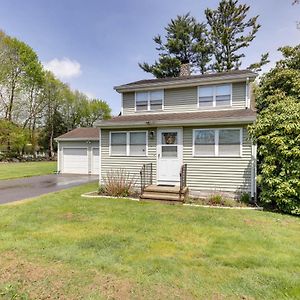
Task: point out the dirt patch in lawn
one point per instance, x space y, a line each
23 279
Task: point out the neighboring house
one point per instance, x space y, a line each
197 121
78 151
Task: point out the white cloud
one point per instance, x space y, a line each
64 68
90 95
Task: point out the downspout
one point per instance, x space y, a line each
253 174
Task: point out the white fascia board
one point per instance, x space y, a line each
227 121
76 139
184 83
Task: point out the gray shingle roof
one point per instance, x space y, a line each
81 133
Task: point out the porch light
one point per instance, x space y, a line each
151 134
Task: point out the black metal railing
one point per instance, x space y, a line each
146 174
183 172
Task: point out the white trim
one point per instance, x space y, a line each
172 123
92 158
227 78
100 158
76 139
214 92
58 158
149 101
127 132
247 99
122 104
179 130
217 132
253 170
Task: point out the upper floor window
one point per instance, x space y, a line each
214 95
152 100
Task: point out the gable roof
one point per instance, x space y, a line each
80 134
233 116
235 75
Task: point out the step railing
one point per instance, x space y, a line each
183 173
146 175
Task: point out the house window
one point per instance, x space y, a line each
118 144
138 143
204 142
206 96
152 100
215 95
141 102
229 142
217 142
130 143
169 145
223 94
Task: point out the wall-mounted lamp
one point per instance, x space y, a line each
152 134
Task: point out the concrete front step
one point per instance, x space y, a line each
164 189
161 196
172 202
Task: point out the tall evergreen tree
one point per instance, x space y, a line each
184 37
230 31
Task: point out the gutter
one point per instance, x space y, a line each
75 139
160 123
184 83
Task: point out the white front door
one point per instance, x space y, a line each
169 155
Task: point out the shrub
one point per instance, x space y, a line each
245 198
215 199
118 183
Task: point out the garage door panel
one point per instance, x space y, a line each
75 160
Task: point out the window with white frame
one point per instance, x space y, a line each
217 142
152 100
214 95
130 143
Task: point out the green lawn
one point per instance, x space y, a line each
67 247
26 169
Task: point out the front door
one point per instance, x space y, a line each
169 155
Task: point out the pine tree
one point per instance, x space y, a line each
230 31
185 43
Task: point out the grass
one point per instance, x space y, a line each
62 246
26 169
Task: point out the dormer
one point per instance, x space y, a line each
208 92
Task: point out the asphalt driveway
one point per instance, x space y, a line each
23 188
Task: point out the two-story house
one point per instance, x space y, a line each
186 131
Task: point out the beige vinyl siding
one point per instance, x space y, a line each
132 164
185 100
181 100
205 174
239 95
128 103
227 174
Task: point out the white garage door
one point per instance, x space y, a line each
95 161
75 160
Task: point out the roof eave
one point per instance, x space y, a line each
143 124
58 139
187 82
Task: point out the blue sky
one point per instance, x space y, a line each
94 45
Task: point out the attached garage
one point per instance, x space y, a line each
78 151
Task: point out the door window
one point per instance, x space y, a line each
169 145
